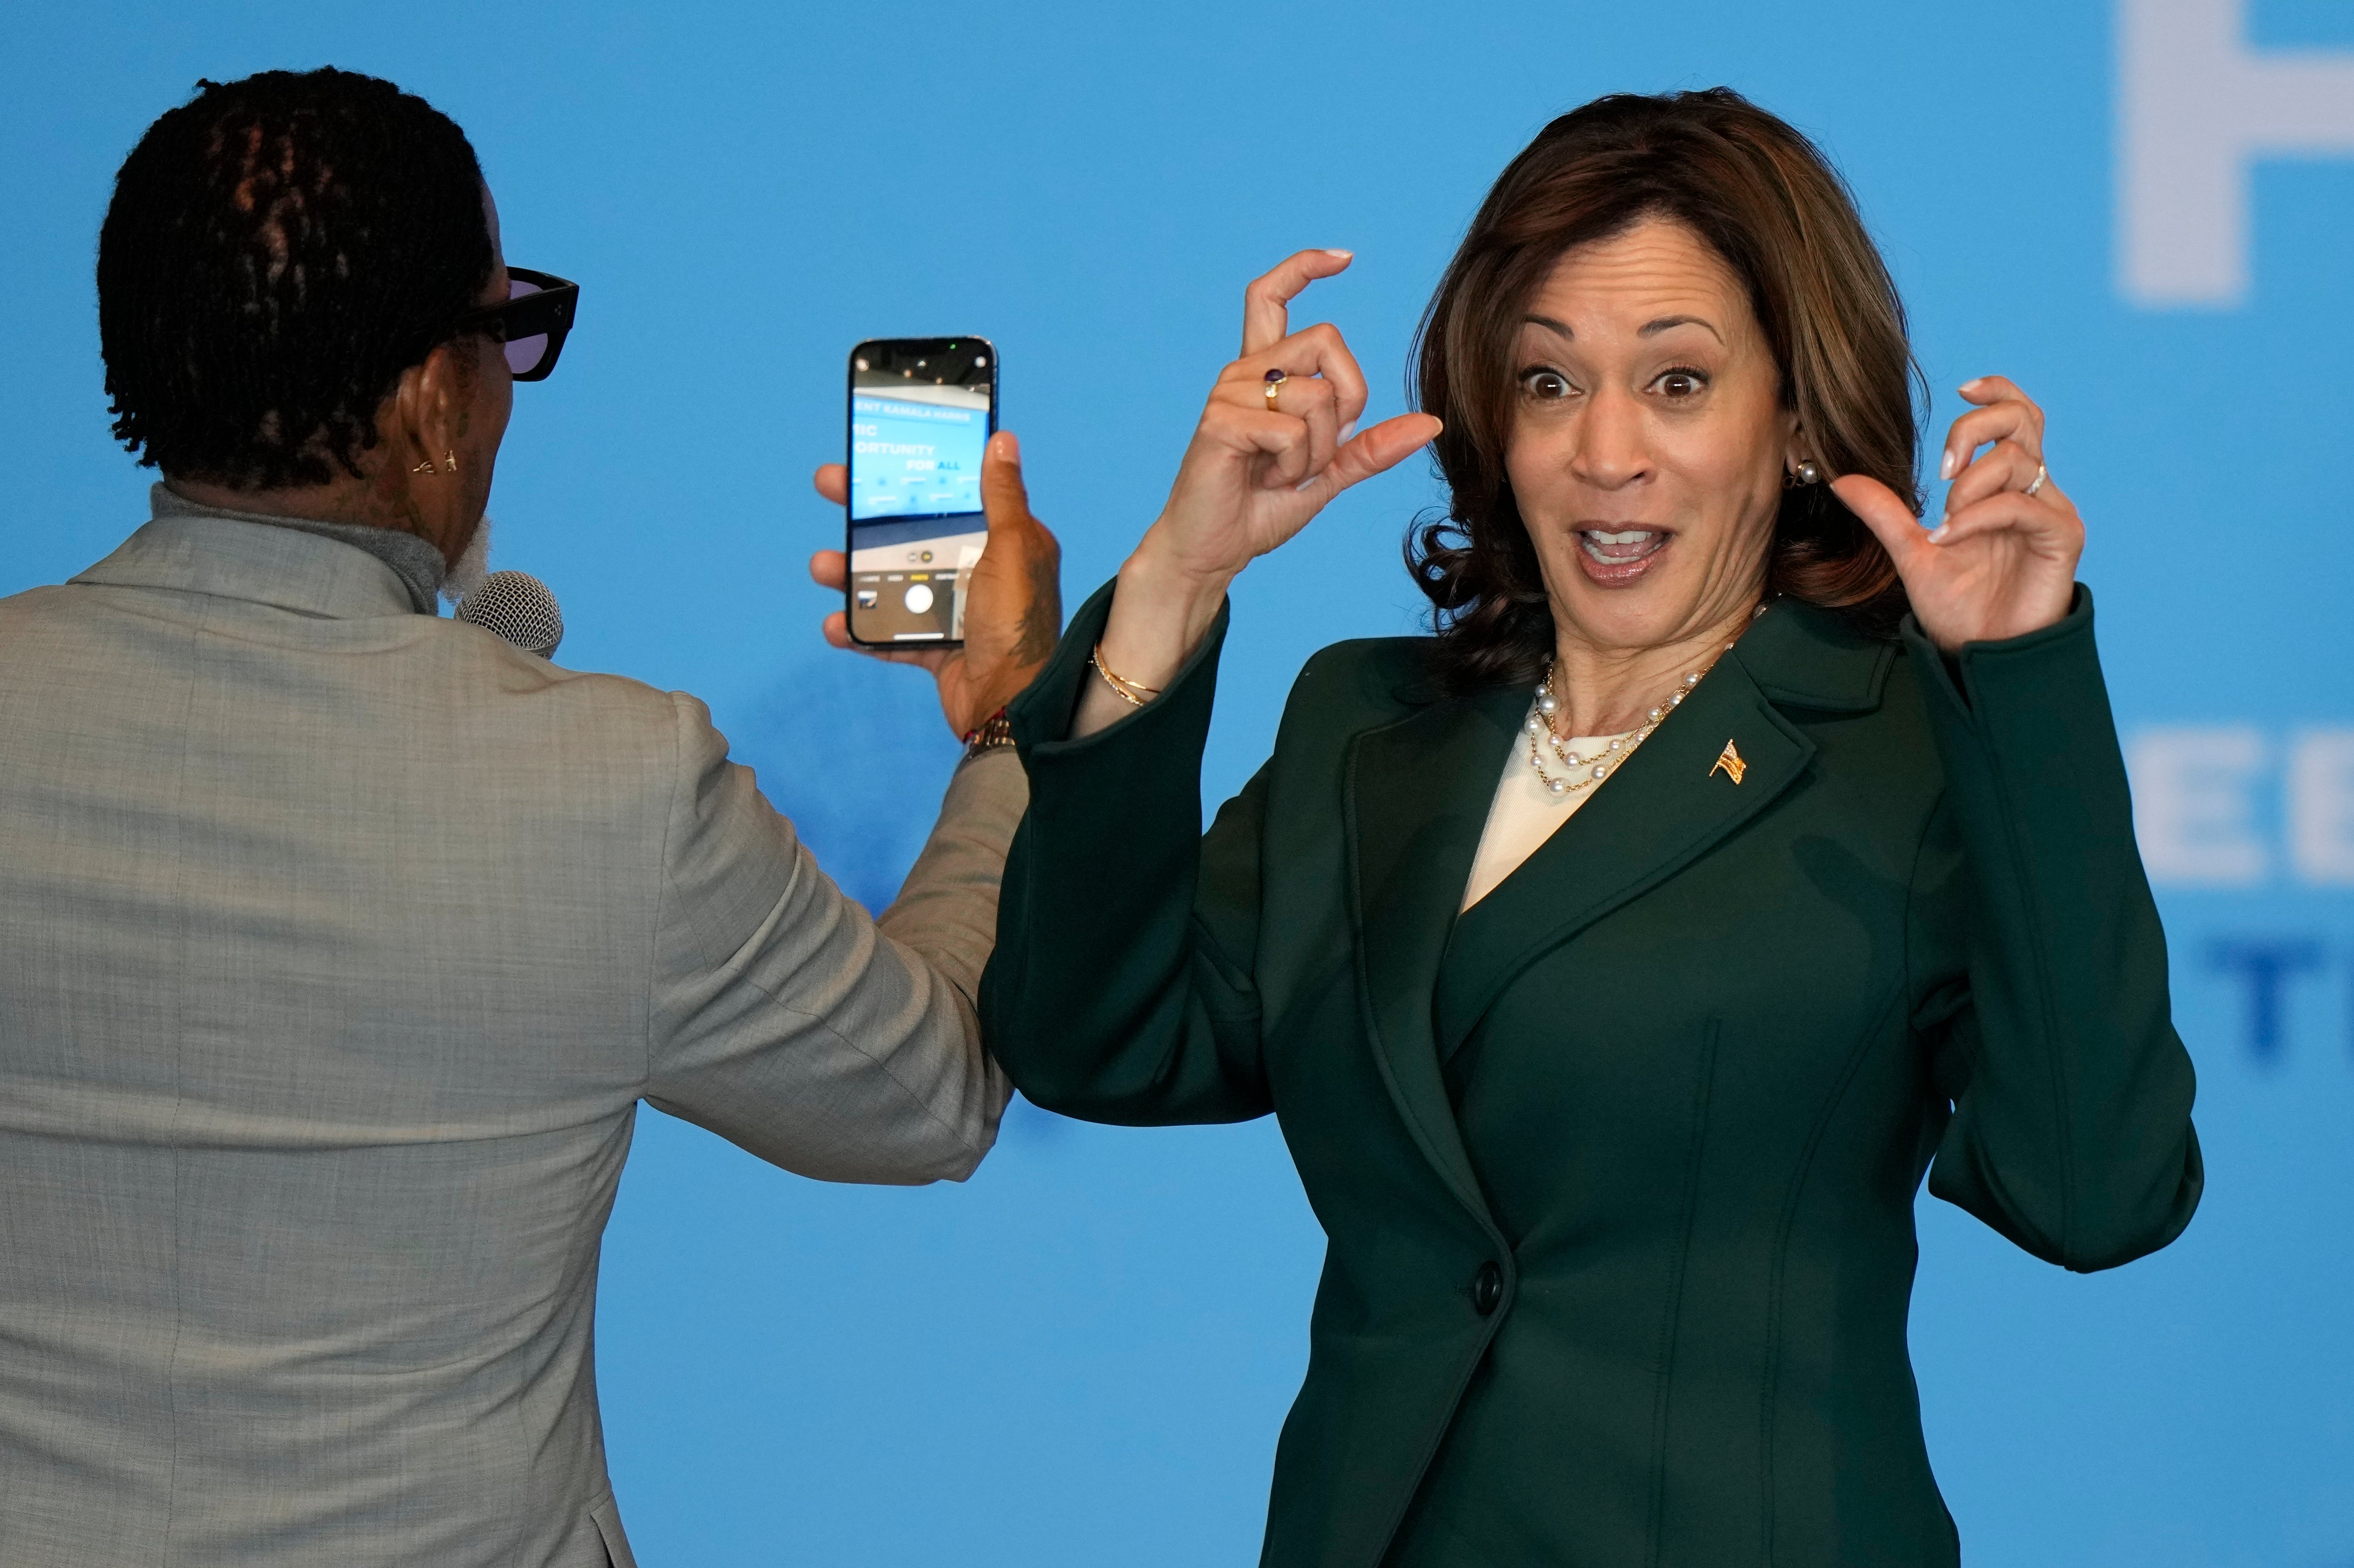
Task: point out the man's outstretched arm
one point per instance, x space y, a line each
784 1019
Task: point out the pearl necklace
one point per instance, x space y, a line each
1593 769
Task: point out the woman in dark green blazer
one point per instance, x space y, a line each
1616 1138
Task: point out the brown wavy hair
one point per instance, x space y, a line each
1770 205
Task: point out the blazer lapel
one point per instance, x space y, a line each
1416 797
1717 761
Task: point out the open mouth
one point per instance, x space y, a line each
1614 557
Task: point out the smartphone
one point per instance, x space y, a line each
921 410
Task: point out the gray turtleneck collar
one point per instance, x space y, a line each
418 562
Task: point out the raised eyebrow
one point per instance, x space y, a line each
1652 328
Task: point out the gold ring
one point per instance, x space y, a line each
1275 380
2036 484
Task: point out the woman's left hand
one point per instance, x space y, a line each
2003 562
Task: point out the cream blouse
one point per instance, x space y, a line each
1525 813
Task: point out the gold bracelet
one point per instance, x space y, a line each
1126 689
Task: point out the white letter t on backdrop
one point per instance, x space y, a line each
2196 107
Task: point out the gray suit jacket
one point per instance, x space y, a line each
337 946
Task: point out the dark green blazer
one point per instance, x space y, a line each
1618 1167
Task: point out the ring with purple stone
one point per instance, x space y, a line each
1275 380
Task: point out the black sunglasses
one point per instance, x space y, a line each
532 324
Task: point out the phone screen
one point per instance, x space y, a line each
921 410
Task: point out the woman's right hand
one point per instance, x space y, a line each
1256 473
1258 470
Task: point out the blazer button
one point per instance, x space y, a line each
1487 1288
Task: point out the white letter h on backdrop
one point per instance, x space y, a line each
2196 107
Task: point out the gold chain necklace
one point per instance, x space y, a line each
1590 770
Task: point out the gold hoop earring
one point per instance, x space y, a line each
450 462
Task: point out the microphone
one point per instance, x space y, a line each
515 607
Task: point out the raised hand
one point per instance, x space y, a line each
1013 602
2003 562
1269 454
1277 441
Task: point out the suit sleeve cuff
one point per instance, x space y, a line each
2029 744
1967 678
1042 716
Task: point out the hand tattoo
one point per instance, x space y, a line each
1041 617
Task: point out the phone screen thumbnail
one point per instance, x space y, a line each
920 413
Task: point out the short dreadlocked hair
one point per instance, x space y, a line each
278 250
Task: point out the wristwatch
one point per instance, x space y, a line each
995 731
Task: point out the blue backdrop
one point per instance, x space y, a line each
2143 214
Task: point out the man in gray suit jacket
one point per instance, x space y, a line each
339 941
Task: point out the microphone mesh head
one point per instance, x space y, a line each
516 606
